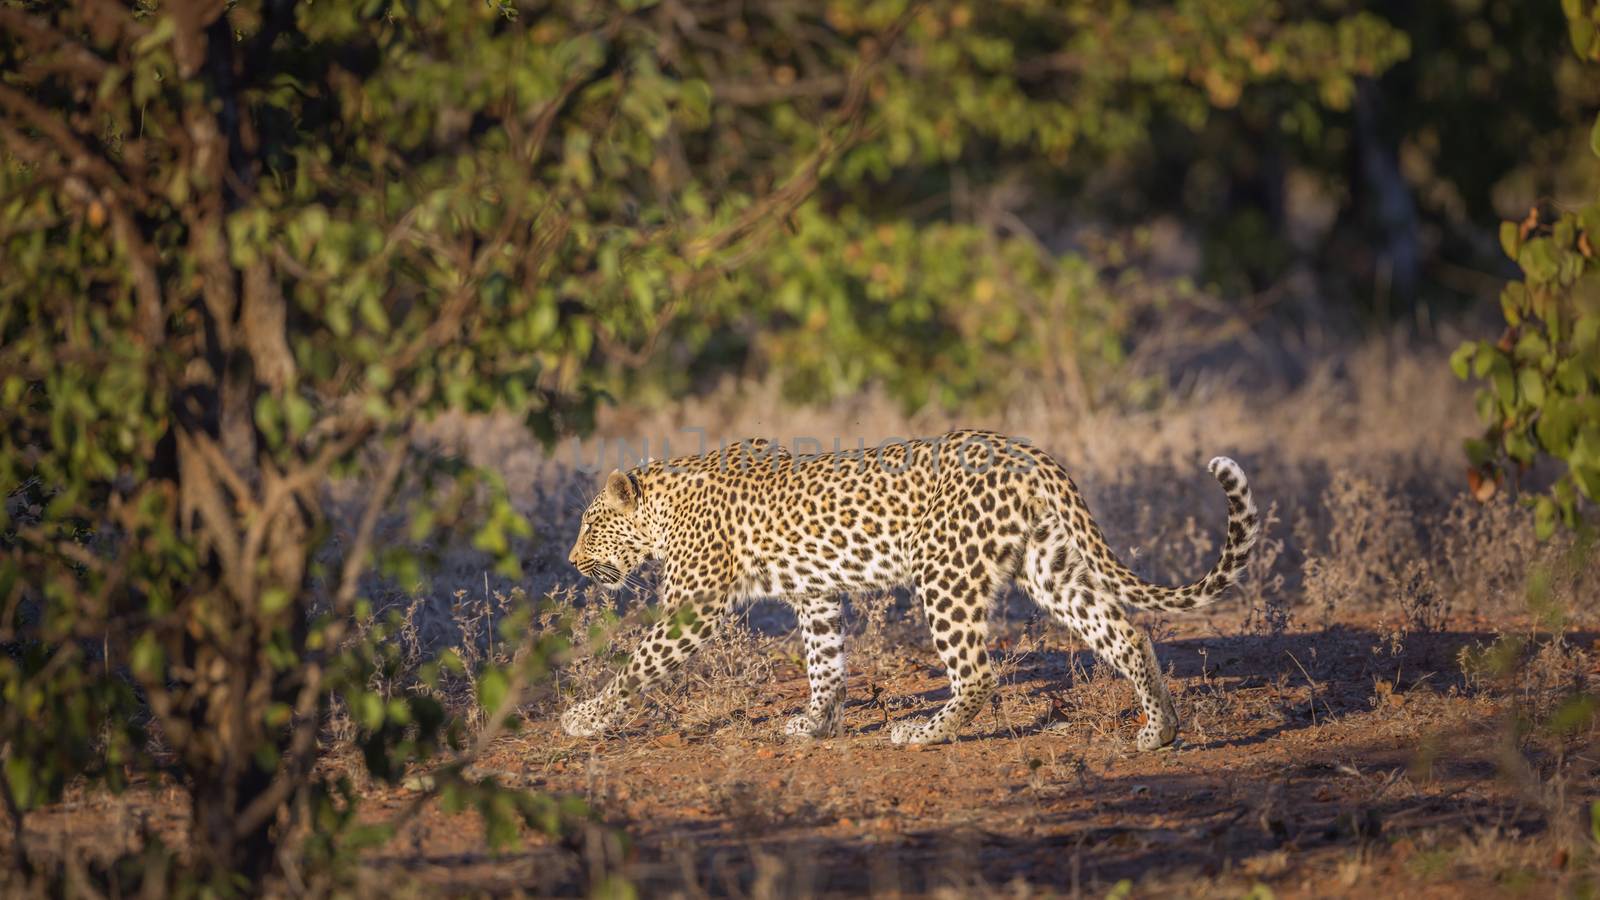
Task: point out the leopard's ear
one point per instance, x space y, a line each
622 490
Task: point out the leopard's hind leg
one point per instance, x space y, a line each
957 576
1057 579
957 612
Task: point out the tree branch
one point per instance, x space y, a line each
80 157
243 498
303 742
198 494
780 203
140 256
80 60
355 557
280 490
752 93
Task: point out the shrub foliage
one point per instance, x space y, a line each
1541 393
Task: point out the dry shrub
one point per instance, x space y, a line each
1483 552
1357 551
1267 608
727 676
874 630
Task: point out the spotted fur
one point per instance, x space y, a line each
954 517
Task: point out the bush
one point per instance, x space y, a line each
1541 394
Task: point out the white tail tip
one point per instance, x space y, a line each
1223 463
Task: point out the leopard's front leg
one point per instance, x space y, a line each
665 646
822 631
596 715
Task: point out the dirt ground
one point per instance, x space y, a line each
1346 761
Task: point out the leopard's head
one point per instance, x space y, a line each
612 539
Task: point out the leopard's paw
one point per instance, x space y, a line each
588 719
1155 735
807 725
918 731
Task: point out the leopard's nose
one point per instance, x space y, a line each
572 555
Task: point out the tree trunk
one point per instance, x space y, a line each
1399 266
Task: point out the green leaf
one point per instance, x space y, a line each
1587 477
1505 385
165 28
492 688
1532 386
615 887
367 709
1478 451
269 419
1589 218
491 538
1518 447
373 313
508 567
1544 518
1594 136
274 600
422 523
20 778
267 756
1510 239
297 414
643 294
1461 359
1531 348
278 715
452 661
146 658
1538 260
1574 716
1556 426
1483 359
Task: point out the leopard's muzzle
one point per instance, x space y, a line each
604 573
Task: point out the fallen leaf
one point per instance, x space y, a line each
1482 488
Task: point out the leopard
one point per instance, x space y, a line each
953 518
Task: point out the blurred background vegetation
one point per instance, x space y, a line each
244 246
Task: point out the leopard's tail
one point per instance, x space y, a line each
1107 575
